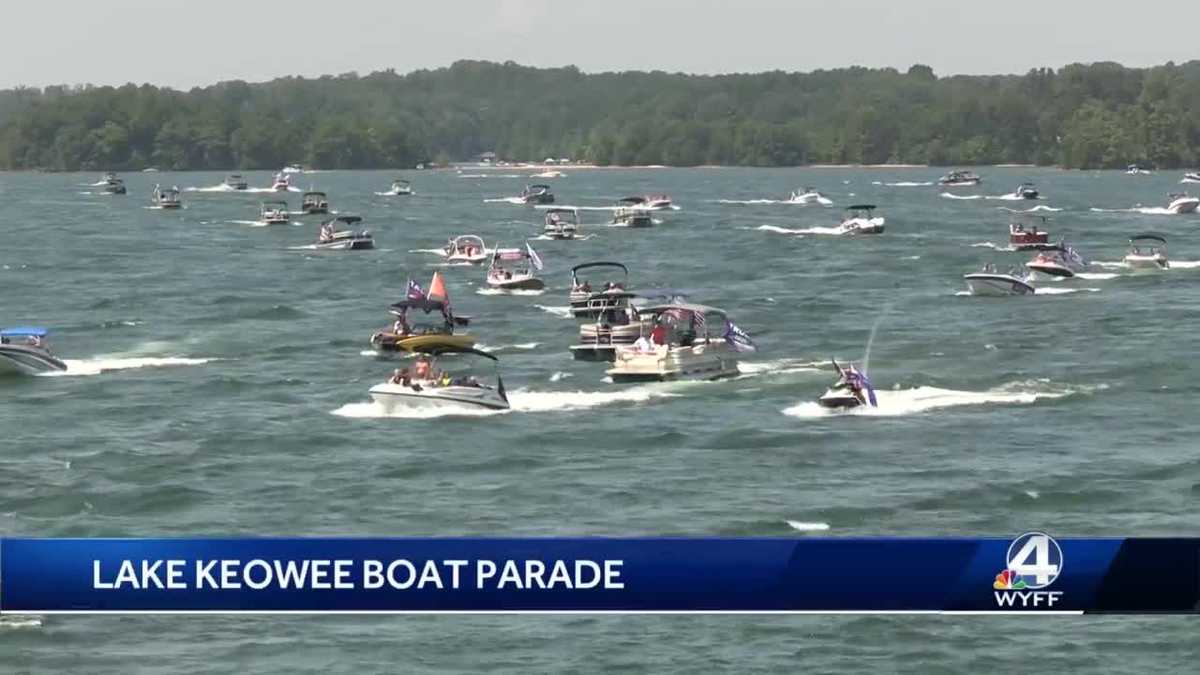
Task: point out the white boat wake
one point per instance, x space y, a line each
102 365
1173 265
823 201
563 311
504 200
993 246
521 400
523 346
921 399
807 527
779 366
906 183
501 291
1145 210
260 223
777 229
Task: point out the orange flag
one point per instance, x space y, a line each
437 289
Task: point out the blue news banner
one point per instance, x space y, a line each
1033 572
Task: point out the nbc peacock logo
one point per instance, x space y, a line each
1008 580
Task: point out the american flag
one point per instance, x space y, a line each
415 292
699 324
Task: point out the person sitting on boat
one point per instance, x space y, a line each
586 287
37 341
445 380
400 327
423 370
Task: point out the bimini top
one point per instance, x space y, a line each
861 207
587 265
563 209
436 349
468 239
424 304
314 193
1149 236
632 199
275 203
682 306
345 220
24 331
538 186
400 181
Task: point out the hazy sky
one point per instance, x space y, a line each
197 42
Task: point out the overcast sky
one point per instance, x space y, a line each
198 42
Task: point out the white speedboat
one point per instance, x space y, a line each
612 330
536 194
1062 261
167 198
401 188
1147 252
292 168
989 282
274 213
467 249
683 344
113 185
235 181
808 195
1182 203
561 223
1026 190
314 203
23 351
1191 177
1135 170
587 301
656 202
424 388
851 390
281 183
336 235
515 269
861 219
960 178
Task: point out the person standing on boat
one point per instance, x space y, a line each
659 334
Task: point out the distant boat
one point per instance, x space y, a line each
1026 190
1182 203
989 282
314 203
1135 170
1147 251
167 198
960 178
24 351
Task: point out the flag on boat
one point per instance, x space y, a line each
415 292
437 289
859 382
699 324
738 338
534 257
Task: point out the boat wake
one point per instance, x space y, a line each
521 400
1040 207
950 195
993 246
779 366
1096 276
563 311
1063 291
907 183
921 399
1174 265
523 346
776 229
502 291
20 622
504 200
103 365
1145 210
543 237
823 201
807 527
259 223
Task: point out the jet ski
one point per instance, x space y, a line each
851 390
23 351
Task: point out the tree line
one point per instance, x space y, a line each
1100 115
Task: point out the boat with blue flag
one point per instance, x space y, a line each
852 389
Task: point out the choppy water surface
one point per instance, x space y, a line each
219 376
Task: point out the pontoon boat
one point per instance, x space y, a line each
275 213
960 178
515 269
1147 251
561 223
589 302
613 329
315 203
625 216
861 219
23 351
235 181
1025 235
989 282
335 238
1026 190
403 336
425 386
466 249
851 390
1182 203
536 194
167 198
682 345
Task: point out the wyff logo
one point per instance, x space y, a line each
1033 562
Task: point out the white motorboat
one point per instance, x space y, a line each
536 194
515 269
1191 177
655 202
861 219
1026 190
1147 252
167 198
23 351
336 235
274 213
589 302
613 329
960 178
467 249
681 346
425 388
1061 261
1182 203
314 203
809 196
113 185
1135 170
401 188
851 390
292 168
550 173
281 183
235 181
991 283
561 223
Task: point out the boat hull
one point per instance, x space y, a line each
701 362
1146 263
838 400
528 284
1051 270
388 342
22 360
397 396
1182 206
996 285
346 244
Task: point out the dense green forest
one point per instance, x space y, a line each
1088 116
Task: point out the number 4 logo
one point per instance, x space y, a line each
1037 558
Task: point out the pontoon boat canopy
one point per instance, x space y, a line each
23 331
861 207
1150 236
